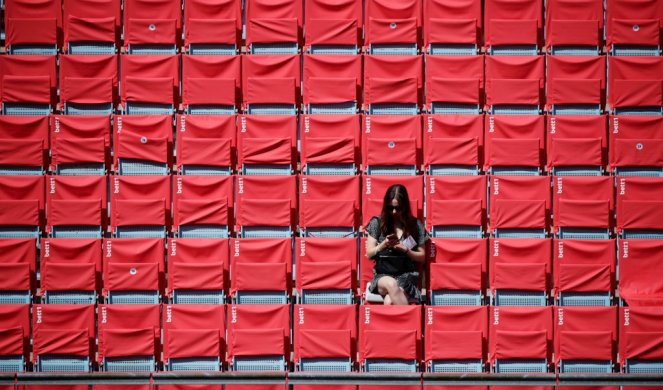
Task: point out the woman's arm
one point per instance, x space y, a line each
373 247
417 254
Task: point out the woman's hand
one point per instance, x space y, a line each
401 248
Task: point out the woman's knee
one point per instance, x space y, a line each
389 284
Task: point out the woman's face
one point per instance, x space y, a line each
395 209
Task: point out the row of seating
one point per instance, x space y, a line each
332 145
382 26
515 272
267 206
331 84
333 338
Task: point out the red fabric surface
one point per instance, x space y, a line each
254 195
330 150
462 151
64 254
338 22
75 212
450 30
153 78
583 201
456 345
90 29
638 152
318 133
584 265
639 269
332 79
87 90
619 10
644 345
152 90
139 212
76 200
196 276
326 213
383 74
90 79
267 140
212 21
206 151
455 332
641 214
90 133
210 80
574 22
62 329
509 10
585 333
209 91
273 30
577 151
199 212
193 343
326 275
524 151
270 90
264 212
465 91
639 332
129 342
385 151
514 79
457 212
519 201
637 199
521 31
68 276
213 131
398 344
576 80
128 329
518 214
586 345
457 263
511 334
576 140
19 212
62 341
270 319
320 90
130 193
202 200
390 11
258 276
395 30
522 276
513 258
324 343
28 76
265 150
452 276
22 152
22 31
11 341
14 329
319 259
22 188
635 81
264 77
15 276
24 140
270 258
625 31
33 89
390 332
521 345
584 277
166 16
516 134
454 79
193 330
257 342
513 91
271 15
131 276
566 91
463 128
584 213
391 90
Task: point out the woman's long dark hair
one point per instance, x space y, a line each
398 192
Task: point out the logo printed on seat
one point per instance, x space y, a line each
179 185
553 125
109 249
307 124
301 316
233 315
183 124
52 185
57 125
368 186
627 317
104 316
367 315
429 316
169 314
39 315
47 249
173 247
302 248
304 185
496 315
560 316
432 185
236 248
560 250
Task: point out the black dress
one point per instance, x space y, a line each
394 263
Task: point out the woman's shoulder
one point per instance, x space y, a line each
373 227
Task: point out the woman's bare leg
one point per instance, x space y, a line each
388 286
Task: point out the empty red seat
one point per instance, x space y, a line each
519 205
63 337
71 270
452 27
274 26
457 271
80 144
23 144
576 144
18 263
330 144
393 27
639 207
333 27
456 338
393 84
77 206
640 339
203 206
22 206
456 206
584 272
639 267
325 337
15 331
329 205
636 144
258 338
150 83
513 27
206 144
634 28
198 270
574 27
194 337
515 144
326 270
583 206
129 337
261 269
453 144
267 144
521 339
33 27
271 84
211 84
88 84
520 271
92 26
213 26
332 84
391 144
152 26
585 339
454 84
576 85
515 84
266 206
28 84
140 206
143 144
635 85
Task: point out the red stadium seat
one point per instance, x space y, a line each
28 84
639 211
401 325
150 84
521 339
519 206
22 206
636 145
514 84
329 206
583 206
267 144
203 206
127 257
80 145
129 337
212 26
326 270
143 144
640 339
452 27
15 331
333 28
393 84
325 337
23 145
584 272
92 26
271 84
585 339
513 27
375 187
457 271
453 144
140 206
211 84
266 206
194 337
332 84
635 85
639 268
330 144
634 32
71 270
456 206
206 144
198 270
515 145
456 338
258 338
574 27
18 263
33 27
274 26
152 26
576 85
261 269
520 271
454 84
576 144
63 338
77 206
393 27
391 145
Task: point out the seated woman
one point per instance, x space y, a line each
395 242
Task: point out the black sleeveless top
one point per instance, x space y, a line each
391 261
